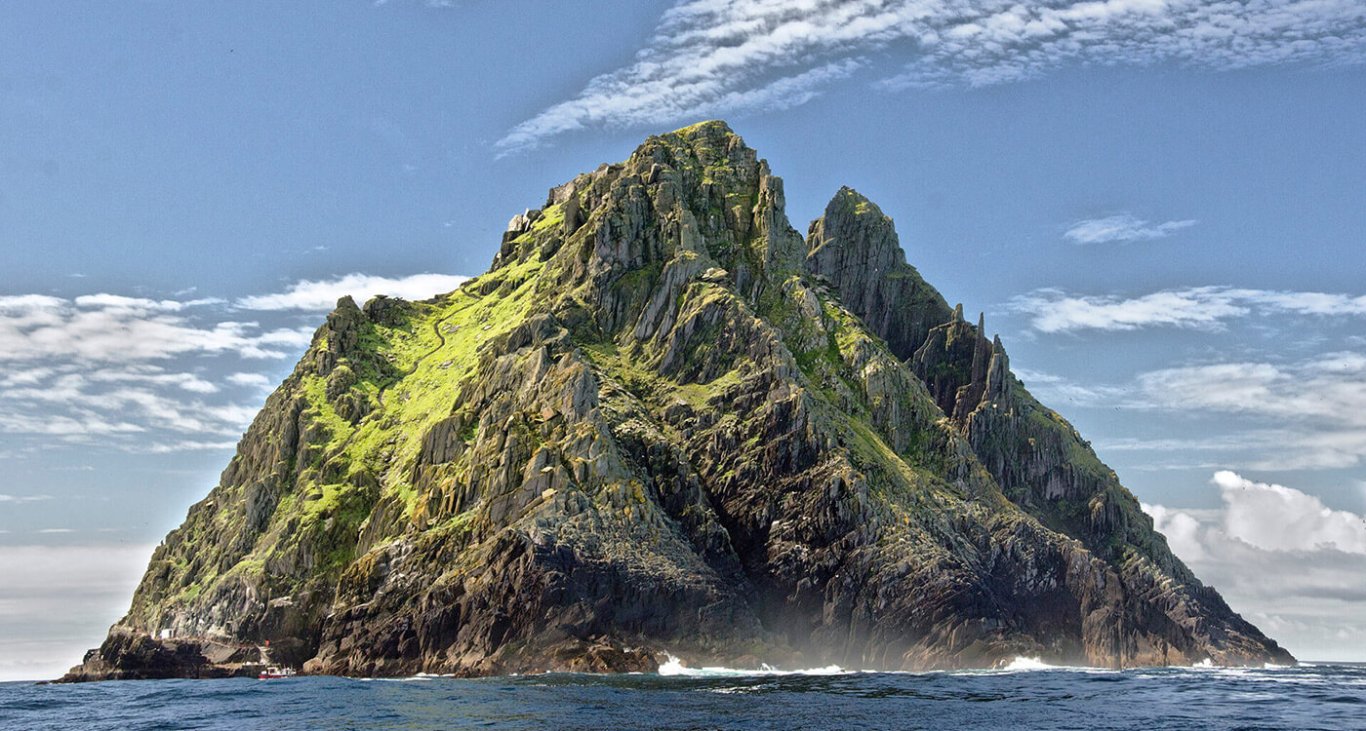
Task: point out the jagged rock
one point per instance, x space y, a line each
662 422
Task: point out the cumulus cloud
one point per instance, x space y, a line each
715 57
322 295
1183 531
1293 566
1053 310
1120 229
1279 518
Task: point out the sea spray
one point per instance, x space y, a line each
674 666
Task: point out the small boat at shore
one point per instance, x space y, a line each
275 672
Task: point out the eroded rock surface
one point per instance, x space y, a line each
664 422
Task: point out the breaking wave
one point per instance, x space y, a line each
675 667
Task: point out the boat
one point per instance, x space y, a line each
275 672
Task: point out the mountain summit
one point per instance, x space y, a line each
665 422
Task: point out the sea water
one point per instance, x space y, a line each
1025 695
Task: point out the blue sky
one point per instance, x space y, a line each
1159 205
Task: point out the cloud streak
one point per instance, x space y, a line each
1123 228
1306 415
1208 308
717 57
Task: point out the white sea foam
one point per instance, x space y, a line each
1022 663
675 667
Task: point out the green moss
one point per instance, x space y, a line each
551 218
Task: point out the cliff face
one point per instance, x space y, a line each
665 422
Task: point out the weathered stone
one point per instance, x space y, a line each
667 426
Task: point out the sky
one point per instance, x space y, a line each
1160 205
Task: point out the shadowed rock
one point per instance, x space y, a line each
663 422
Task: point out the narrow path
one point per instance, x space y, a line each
436 329
441 336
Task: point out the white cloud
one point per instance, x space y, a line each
93 407
1054 311
1306 415
113 328
1182 531
1294 567
1320 389
1057 389
183 445
1122 228
154 376
258 380
322 295
1279 518
715 57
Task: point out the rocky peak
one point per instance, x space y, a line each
651 428
855 247
954 362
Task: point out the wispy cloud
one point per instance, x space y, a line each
1313 413
322 295
1331 388
113 401
20 499
997 41
1122 228
716 57
258 380
1306 415
1058 388
1055 311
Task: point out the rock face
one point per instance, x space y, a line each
665 422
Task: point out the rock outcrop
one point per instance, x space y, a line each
665 422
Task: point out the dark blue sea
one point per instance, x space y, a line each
1306 697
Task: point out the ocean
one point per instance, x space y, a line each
1027 695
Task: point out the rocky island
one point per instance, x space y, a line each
666 422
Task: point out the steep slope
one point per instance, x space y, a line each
664 422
